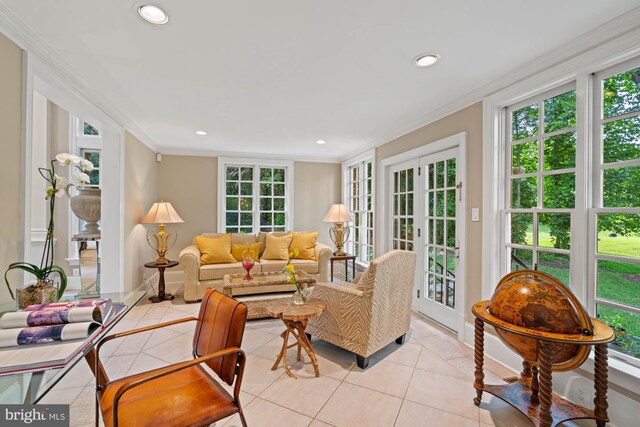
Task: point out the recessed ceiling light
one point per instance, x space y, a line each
153 14
321 142
426 59
201 132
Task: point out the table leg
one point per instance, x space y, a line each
331 262
308 348
546 384
535 386
353 269
601 375
161 294
478 384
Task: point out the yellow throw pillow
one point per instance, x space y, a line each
215 250
277 247
306 244
238 250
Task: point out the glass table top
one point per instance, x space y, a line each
14 386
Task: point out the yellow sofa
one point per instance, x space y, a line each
197 277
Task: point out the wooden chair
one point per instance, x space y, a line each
184 394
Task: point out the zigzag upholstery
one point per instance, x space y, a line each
365 316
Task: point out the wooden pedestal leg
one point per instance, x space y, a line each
526 371
478 384
546 385
535 386
600 380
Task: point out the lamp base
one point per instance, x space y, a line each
161 260
340 252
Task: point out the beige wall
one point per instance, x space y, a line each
316 187
190 183
11 161
469 120
140 191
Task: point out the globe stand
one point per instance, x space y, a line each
533 394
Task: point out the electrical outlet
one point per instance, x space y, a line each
581 391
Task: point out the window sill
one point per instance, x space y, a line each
621 373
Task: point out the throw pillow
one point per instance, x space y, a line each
306 244
215 250
238 250
277 247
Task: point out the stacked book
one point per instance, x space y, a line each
46 323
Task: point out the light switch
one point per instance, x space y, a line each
475 214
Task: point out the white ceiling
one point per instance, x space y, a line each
272 77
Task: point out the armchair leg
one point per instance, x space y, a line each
363 362
401 339
242 420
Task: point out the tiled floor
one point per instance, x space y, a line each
425 382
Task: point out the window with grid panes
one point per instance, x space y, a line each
541 180
543 187
615 217
255 198
359 200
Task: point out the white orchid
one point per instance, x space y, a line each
80 178
61 181
68 159
86 165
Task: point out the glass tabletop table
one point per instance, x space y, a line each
22 382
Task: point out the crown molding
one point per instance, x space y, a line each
19 33
627 25
270 156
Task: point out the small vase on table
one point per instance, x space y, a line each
247 263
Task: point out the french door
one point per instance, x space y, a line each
427 217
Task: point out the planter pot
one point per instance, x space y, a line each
86 206
37 292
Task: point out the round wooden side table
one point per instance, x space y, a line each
295 318
162 296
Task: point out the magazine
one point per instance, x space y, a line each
45 323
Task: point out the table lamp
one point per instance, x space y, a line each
339 214
162 213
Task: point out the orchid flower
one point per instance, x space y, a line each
68 159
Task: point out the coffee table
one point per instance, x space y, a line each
295 318
262 289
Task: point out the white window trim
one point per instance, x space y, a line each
366 156
223 162
579 69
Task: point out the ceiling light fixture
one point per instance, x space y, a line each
321 142
426 60
201 132
153 14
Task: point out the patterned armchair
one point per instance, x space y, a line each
368 314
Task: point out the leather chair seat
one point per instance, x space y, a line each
187 397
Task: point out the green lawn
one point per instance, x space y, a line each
617 281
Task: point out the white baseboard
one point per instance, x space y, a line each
623 397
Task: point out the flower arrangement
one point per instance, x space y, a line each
56 189
291 271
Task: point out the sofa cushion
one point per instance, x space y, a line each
238 250
277 247
306 244
262 238
215 250
217 271
270 266
236 238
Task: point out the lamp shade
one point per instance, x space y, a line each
338 213
162 213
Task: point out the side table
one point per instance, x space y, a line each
162 296
295 318
346 259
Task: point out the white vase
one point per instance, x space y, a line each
86 206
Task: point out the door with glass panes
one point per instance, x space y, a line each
426 217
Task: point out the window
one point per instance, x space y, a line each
358 194
256 196
555 195
93 156
616 200
542 182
